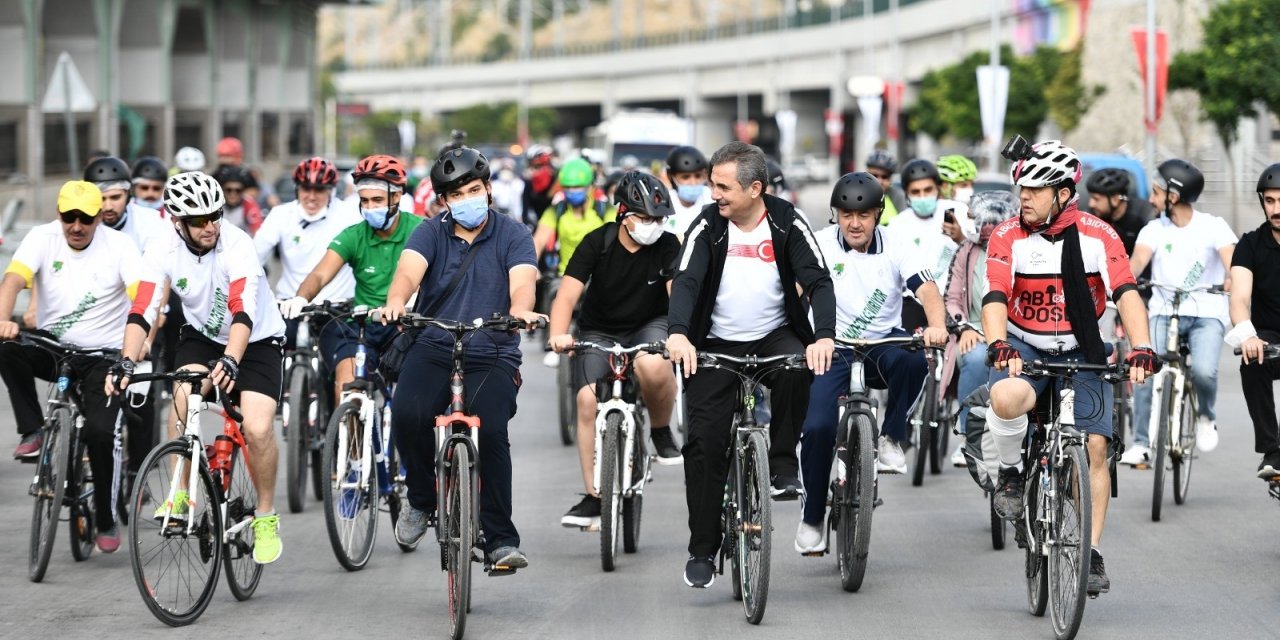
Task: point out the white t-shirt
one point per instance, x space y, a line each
749 303
83 296
144 223
302 244
214 287
1186 257
925 234
869 286
684 216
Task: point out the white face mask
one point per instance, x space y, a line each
646 233
962 194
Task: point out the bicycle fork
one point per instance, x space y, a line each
367 420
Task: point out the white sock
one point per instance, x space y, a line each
1008 435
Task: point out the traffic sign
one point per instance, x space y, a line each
67 89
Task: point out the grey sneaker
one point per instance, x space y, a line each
411 526
1008 498
508 558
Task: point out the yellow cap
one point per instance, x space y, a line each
78 195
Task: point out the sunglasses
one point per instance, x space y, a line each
879 176
70 217
200 222
233 190
148 188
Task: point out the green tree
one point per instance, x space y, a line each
497 122
1068 98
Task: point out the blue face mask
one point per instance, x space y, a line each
150 204
377 218
470 213
576 197
924 207
690 192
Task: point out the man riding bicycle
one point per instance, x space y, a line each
1109 200
470 262
881 165
85 275
232 322
957 173
628 265
869 276
687 174
1185 248
932 227
1048 272
747 269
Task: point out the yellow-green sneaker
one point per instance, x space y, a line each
181 504
266 539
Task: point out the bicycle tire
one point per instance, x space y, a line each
82 521
150 491
351 515
610 489
633 506
756 533
1186 447
855 500
1070 555
1036 570
461 534
732 522
941 441
567 400
923 432
50 489
241 498
997 524
296 413
1161 449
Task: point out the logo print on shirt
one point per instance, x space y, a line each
182 284
763 251
57 266
838 269
370 269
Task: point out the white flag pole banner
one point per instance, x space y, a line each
993 98
870 107
786 119
408 136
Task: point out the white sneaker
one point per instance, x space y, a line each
1135 455
1206 434
551 359
958 458
810 539
891 458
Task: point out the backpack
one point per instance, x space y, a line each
980 453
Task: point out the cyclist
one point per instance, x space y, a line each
574 212
187 159
1109 200
85 274
778 183
1043 303
149 175
370 249
687 174
232 323
540 182
869 275
966 287
302 230
628 265
737 290
240 210
1255 312
230 153
1184 247
957 173
933 229
881 165
500 273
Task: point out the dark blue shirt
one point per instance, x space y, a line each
483 290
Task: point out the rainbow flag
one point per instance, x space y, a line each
1056 23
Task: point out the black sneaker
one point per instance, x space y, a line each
700 573
1098 580
584 514
1270 466
1008 498
665 445
786 487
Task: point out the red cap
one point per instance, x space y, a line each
230 147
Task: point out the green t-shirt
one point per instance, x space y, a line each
372 259
572 228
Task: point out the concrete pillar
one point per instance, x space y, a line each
213 115
712 121
838 93
282 135
168 18
107 15
31 13
252 17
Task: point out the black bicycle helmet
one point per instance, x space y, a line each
108 169
639 192
1181 177
150 168
231 173
1270 178
882 159
457 167
685 159
858 191
776 179
919 169
1111 181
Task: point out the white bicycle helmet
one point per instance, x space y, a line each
988 209
189 159
191 194
1051 162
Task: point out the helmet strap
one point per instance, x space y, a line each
185 234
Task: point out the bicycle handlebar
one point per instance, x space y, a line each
498 322
328 308
659 348
45 342
193 377
786 360
1112 373
1269 352
1147 285
912 342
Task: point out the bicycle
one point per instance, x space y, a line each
457 470
203 500
621 459
1055 528
361 466
306 405
746 517
566 395
1122 401
63 476
1270 352
930 425
1174 425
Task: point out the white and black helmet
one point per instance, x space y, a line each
1050 164
191 194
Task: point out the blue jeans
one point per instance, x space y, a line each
973 374
1204 337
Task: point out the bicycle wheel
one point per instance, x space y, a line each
923 432
997 524
399 493
755 532
350 505
855 499
241 498
1071 534
731 521
82 522
49 489
1161 448
175 563
1186 447
568 401
1036 568
296 412
632 507
610 489
460 516
941 440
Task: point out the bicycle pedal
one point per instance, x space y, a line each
1142 466
814 554
877 503
498 571
590 529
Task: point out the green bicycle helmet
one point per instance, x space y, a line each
576 173
956 168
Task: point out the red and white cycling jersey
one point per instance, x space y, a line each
1026 270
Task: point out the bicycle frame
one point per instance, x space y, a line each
616 401
451 428
1175 369
375 438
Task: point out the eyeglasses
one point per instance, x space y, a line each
200 222
70 217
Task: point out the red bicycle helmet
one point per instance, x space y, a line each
381 167
315 172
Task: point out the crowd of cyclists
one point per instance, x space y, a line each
169 267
